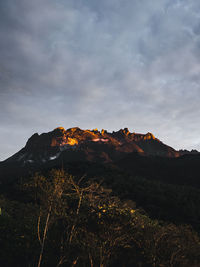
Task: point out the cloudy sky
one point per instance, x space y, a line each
100 64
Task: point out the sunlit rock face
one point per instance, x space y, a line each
122 140
149 136
92 145
77 136
72 141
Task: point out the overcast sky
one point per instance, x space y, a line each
100 64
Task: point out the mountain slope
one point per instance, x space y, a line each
137 154
93 145
134 166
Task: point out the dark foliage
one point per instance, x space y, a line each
63 220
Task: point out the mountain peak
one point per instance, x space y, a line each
91 145
60 128
60 137
149 136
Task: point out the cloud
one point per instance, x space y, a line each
105 64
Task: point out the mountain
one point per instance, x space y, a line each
91 145
92 151
185 151
154 183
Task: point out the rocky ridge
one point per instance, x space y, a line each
91 145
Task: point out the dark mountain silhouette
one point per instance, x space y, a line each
136 154
90 145
156 184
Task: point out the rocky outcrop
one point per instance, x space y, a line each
93 145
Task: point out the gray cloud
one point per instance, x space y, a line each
106 64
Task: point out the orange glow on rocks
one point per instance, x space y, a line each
54 142
149 136
72 141
102 132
